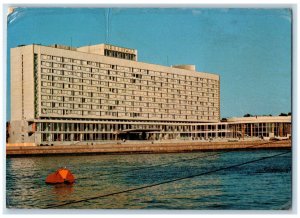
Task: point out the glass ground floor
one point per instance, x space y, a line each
59 131
93 131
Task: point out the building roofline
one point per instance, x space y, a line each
129 61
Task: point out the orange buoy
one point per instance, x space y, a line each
62 175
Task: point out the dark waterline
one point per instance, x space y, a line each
261 185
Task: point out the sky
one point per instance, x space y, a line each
249 48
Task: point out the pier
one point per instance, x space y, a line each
142 147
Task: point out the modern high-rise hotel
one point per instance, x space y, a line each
66 95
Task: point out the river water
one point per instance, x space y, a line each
258 185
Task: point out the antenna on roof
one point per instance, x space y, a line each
107 26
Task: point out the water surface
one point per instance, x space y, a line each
264 184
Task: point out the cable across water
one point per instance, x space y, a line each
165 182
174 162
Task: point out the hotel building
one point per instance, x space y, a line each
66 95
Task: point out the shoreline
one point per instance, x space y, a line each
142 148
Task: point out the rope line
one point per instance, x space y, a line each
164 182
174 162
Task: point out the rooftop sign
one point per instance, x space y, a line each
120 49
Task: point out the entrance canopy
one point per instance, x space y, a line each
136 131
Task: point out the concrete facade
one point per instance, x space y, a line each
61 94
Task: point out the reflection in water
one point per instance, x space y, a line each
261 185
62 191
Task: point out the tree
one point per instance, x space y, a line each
248 115
283 114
